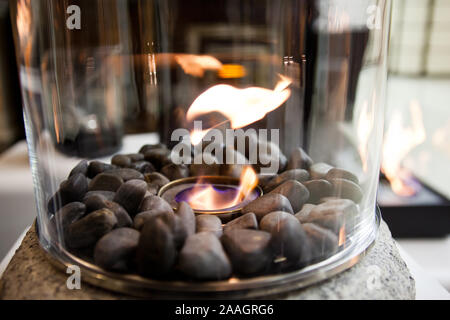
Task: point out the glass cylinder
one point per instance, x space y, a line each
199 146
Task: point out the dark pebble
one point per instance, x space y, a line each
323 242
156 180
336 173
81 167
156 253
158 157
187 216
74 188
155 203
333 214
203 258
268 203
130 195
272 221
105 182
143 167
108 195
319 170
86 231
299 175
248 250
70 213
121 160
289 240
318 189
97 202
143 217
116 250
208 223
246 221
148 147
135 157
97 167
303 214
296 193
347 189
127 174
175 171
299 159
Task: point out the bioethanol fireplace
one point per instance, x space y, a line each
226 147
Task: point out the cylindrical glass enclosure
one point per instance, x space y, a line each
204 146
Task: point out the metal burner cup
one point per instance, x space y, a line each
176 191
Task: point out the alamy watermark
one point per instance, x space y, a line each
74 280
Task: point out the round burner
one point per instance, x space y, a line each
227 188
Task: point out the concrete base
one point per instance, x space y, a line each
381 274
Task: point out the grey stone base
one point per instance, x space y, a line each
381 274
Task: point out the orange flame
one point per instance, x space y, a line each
195 65
208 198
240 106
399 141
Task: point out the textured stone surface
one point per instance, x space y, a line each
30 276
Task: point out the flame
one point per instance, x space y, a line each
399 141
208 198
240 106
195 65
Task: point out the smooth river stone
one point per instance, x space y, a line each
97 167
143 166
318 189
148 147
187 216
121 160
70 213
296 193
323 242
303 214
319 170
268 203
156 253
203 258
74 188
116 250
174 171
299 159
81 167
336 173
272 220
127 174
97 202
158 157
156 180
155 204
108 195
135 157
347 189
289 240
299 175
333 214
246 221
143 217
130 195
105 182
86 231
208 223
248 250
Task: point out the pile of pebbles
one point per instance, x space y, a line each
111 215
